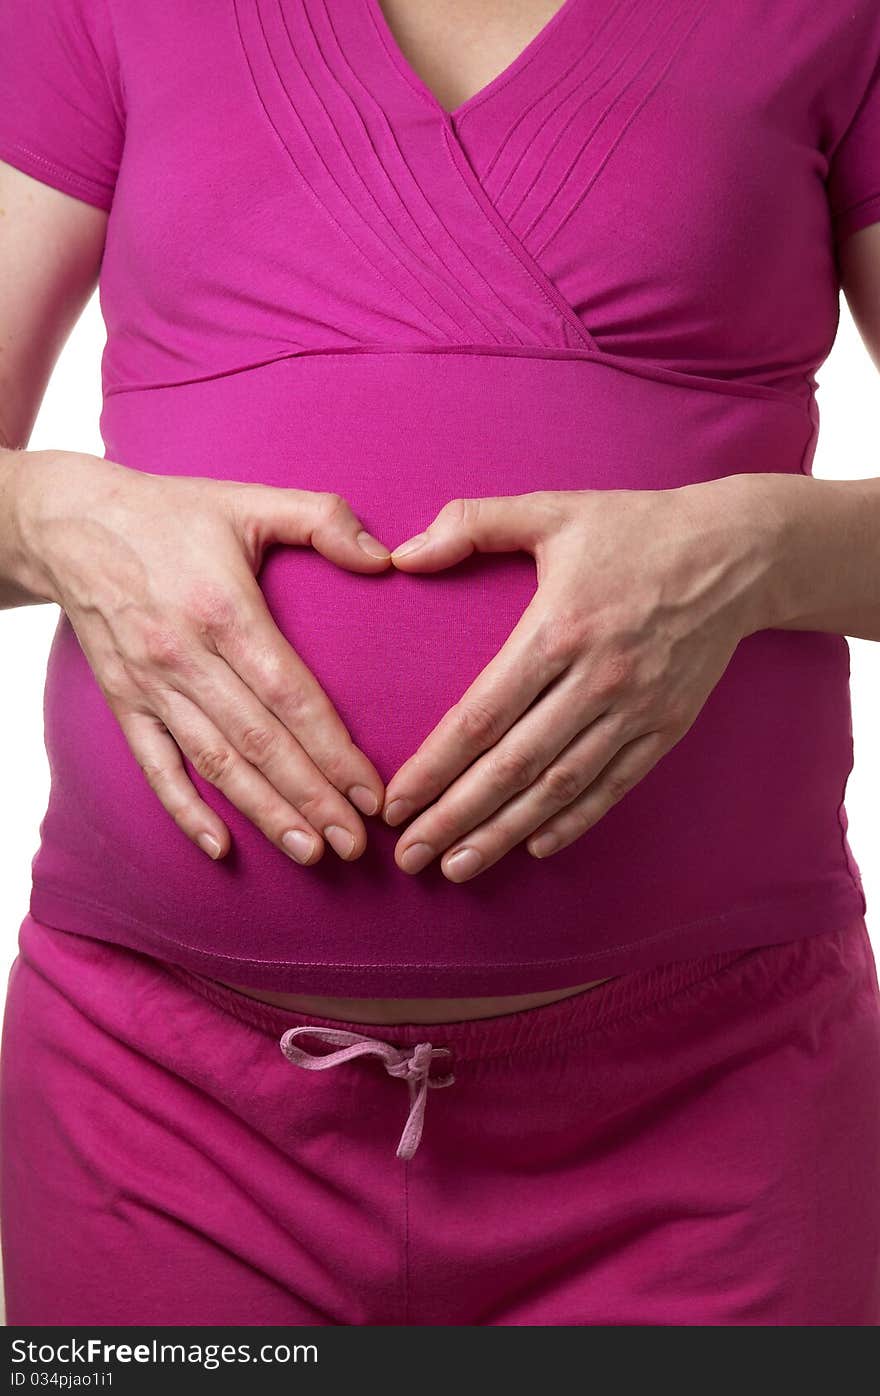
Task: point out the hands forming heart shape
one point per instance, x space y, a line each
642 597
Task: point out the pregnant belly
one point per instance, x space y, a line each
399 435
743 812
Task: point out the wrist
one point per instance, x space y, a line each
763 509
30 480
809 541
747 518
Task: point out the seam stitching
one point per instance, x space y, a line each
351 967
92 185
637 368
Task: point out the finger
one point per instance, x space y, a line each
214 758
326 522
248 639
601 786
556 786
506 523
510 767
631 764
513 678
265 744
158 756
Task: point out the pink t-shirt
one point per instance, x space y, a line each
613 267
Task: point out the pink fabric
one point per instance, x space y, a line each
614 267
413 1066
693 1144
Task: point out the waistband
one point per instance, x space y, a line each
478 1038
408 1050
842 948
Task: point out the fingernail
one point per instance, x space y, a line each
463 864
299 845
342 840
416 857
397 810
410 545
209 844
363 799
544 844
372 545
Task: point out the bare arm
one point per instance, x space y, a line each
50 254
827 573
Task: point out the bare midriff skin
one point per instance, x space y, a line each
457 46
421 1010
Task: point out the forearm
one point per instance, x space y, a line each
18 585
821 540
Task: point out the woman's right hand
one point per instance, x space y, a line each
158 577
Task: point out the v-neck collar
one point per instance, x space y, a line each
383 29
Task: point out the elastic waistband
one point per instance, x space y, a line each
478 1038
70 958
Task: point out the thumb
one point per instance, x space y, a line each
502 524
312 518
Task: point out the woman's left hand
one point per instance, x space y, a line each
642 598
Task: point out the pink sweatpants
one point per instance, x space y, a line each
697 1144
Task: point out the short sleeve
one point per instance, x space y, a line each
854 173
61 106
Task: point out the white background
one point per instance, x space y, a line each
849 446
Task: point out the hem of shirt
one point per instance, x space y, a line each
860 215
30 162
769 922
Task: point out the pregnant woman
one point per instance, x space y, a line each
443 911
